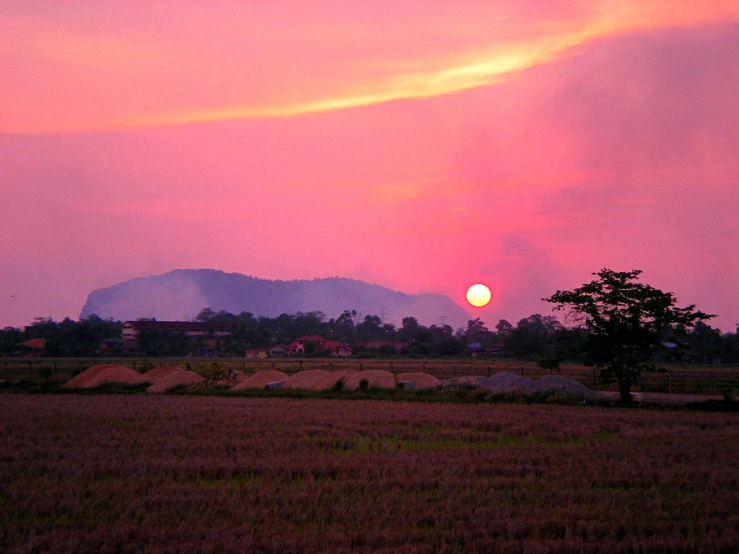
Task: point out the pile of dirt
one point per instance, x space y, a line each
260 380
175 379
421 380
307 379
376 378
157 374
105 373
464 381
506 382
334 377
239 376
566 386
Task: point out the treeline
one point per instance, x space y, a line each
536 337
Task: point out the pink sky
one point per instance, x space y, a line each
421 146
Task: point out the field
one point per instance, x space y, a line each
217 474
694 379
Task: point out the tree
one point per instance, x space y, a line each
624 320
532 336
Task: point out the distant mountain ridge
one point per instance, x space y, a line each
182 293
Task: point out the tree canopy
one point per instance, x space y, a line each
626 323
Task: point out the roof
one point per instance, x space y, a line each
181 325
39 344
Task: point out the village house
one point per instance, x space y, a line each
189 328
336 349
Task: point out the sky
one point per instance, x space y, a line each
419 145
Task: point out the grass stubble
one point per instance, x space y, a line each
133 473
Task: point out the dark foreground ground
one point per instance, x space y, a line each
217 474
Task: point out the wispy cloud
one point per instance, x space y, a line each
79 75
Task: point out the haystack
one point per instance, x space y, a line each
99 374
260 380
175 379
307 379
376 378
421 380
334 377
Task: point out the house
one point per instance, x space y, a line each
118 344
298 346
336 349
277 351
257 353
189 328
34 347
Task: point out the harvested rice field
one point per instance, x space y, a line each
156 474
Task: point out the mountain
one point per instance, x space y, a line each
182 293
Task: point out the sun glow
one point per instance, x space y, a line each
478 295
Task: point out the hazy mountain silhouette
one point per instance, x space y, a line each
182 293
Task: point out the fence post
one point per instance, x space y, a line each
391 367
331 366
454 370
710 383
489 372
595 380
669 384
361 366
423 368
300 365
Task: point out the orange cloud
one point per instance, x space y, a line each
69 77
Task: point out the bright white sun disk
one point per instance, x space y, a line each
478 295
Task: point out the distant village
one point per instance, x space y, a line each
312 334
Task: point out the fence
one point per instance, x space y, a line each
709 380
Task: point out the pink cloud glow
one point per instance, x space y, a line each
419 145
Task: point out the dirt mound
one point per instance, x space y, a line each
376 378
421 380
99 374
464 381
563 385
175 379
239 376
157 374
307 379
260 379
333 377
506 382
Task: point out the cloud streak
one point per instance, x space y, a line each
74 72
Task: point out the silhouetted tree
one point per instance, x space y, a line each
625 320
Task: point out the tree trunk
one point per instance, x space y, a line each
624 390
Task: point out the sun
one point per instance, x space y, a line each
478 295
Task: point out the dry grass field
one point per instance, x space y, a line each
228 474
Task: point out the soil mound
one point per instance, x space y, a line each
464 381
307 379
421 380
260 379
239 376
175 379
157 374
563 385
506 382
376 378
99 374
334 377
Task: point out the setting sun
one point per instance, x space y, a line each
478 295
